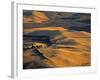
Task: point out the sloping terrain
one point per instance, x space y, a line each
74 52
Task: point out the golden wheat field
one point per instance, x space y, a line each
64 47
